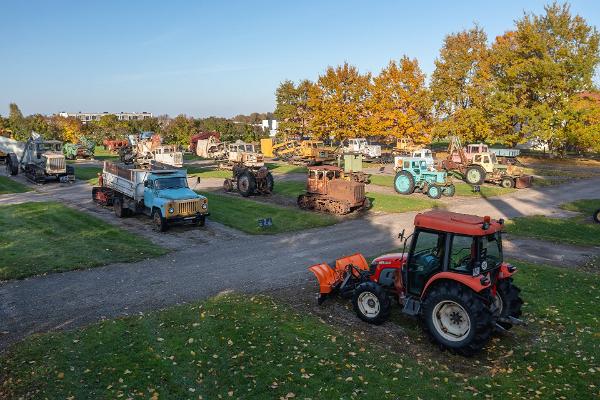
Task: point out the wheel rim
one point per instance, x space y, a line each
473 175
157 221
402 183
507 183
434 191
243 184
498 304
451 321
368 304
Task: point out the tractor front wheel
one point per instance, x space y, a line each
371 303
246 184
404 183
457 319
475 175
507 182
449 190
507 302
434 192
597 216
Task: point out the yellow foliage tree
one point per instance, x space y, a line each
70 129
400 105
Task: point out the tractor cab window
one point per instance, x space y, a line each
486 159
426 259
491 250
477 158
463 253
406 164
494 159
416 167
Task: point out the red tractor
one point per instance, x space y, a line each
453 278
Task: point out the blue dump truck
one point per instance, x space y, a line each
162 194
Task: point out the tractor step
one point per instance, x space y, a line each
412 306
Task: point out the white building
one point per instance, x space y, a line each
270 125
122 116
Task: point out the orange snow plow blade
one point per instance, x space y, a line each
329 277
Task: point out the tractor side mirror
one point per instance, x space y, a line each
401 234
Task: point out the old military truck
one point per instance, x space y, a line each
162 194
39 159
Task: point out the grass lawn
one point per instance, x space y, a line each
89 174
244 215
243 347
38 238
207 172
462 189
395 203
286 168
192 157
101 154
289 188
7 186
578 230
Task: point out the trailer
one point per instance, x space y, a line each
162 194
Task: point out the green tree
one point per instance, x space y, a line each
292 111
460 84
400 104
17 122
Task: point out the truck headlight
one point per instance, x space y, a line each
171 210
204 206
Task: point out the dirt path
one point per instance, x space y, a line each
210 260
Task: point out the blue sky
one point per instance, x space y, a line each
221 57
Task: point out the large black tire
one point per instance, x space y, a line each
449 190
159 223
246 184
456 318
434 192
227 185
201 221
120 212
270 182
407 186
475 175
507 182
509 301
12 164
597 216
371 303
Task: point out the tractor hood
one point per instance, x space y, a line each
391 258
178 194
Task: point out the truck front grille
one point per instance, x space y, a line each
188 207
55 165
178 158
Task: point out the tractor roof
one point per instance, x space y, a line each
324 168
465 224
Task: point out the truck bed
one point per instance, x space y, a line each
125 180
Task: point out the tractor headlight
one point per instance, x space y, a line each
476 271
171 210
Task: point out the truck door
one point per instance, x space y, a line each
149 193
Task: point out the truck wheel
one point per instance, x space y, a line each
434 192
475 175
456 318
597 216
507 302
270 182
12 164
507 182
404 183
371 303
118 207
449 190
201 221
158 222
246 184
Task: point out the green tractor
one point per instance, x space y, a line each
412 175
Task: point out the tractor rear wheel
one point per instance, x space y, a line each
246 184
475 175
456 318
507 182
371 303
508 302
270 182
597 216
449 190
434 192
404 183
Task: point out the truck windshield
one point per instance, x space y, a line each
491 249
176 182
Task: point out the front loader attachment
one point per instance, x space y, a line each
347 270
523 181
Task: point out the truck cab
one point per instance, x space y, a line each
168 198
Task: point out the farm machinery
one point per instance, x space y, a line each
453 279
328 191
305 152
413 175
39 159
114 144
249 174
353 168
211 148
361 146
148 147
83 149
480 167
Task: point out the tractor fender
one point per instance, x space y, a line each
472 282
506 271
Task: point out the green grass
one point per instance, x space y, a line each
207 172
462 189
244 215
235 346
289 188
89 174
39 238
7 186
578 230
101 154
192 157
286 168
395 203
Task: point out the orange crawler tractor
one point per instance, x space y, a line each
453 278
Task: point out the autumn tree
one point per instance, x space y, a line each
70 128
292 111
17 123
460 84
400 104
583 122
537 69
338 103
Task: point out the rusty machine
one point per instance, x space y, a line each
249 173
328 191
